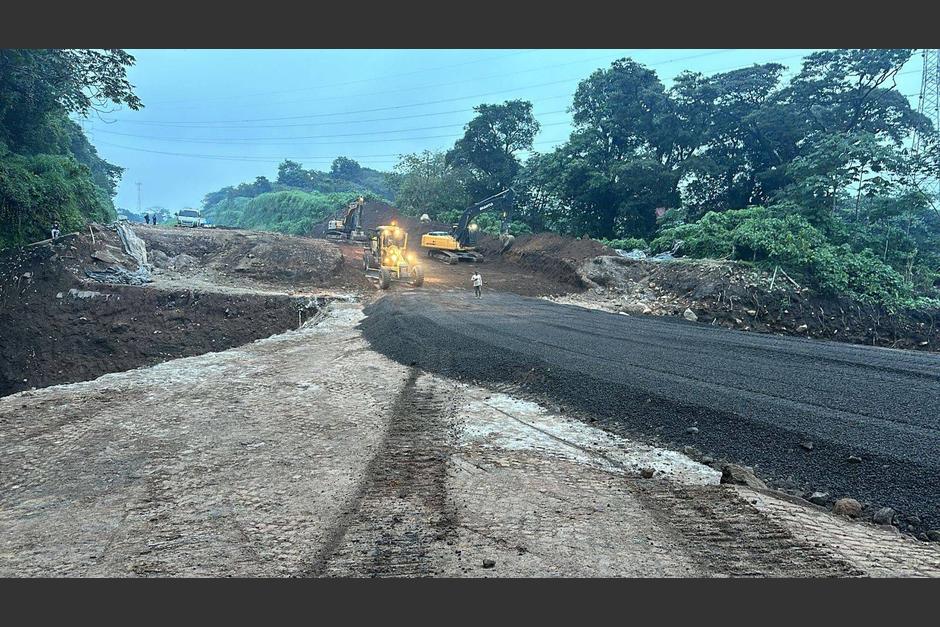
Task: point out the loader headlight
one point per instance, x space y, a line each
473 227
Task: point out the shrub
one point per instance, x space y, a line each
630 243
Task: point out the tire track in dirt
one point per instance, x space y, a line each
400 511
729 538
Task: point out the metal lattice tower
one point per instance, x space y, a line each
929 105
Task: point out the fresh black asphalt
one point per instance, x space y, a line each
754 398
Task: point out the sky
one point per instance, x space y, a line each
221 117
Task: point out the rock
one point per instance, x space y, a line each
647 473
691 452
751 312
692 430
883 516
806 446
854 459
802 328
103 256
689 315
934 535
819 498
847 507
741 475
489 563
637 308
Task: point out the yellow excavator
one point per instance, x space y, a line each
460 243
349 226
387 256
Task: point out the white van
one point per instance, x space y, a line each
190 217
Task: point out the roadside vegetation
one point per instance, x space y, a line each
49 172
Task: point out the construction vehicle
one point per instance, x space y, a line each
349 226
387 256
460 243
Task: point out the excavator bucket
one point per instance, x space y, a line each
507 241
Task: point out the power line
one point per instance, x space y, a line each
252 140
404 106
361 80
271 159
435 85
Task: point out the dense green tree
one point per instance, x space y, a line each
428 184
491 143
50 172
345 169
292 174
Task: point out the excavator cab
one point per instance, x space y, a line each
387 256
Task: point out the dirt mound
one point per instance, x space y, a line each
556 256
263 256
737 296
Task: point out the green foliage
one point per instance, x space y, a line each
345 176
48 170
491 224
770 238
630 243
38 190
490 144
293 212
428 184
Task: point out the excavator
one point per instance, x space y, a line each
460 244
349 227
387 255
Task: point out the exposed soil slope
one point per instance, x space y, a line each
737 296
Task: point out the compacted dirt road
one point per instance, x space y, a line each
309 454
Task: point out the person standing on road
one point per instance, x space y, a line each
147 218
477 281
55 230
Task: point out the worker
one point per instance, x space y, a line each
477 283
55 230
147 218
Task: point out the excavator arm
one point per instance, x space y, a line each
501 201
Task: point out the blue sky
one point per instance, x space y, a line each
221 117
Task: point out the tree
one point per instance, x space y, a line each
428 184
491 143
345 169
49 169
292 174
34 83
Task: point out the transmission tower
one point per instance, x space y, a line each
929 105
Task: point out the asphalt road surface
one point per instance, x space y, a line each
752 398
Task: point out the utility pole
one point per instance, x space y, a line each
929 105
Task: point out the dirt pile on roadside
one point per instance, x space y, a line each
737 296
262 256
556 256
